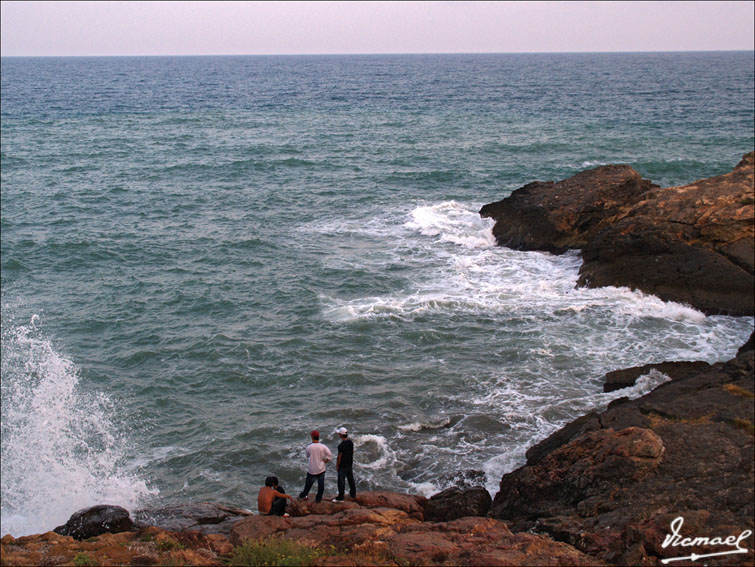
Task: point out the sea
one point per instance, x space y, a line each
205 258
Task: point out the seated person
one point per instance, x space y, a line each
271 500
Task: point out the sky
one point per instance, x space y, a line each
266 28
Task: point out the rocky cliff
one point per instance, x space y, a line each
692 244
612 483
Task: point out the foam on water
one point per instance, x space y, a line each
561 340
453 222
379 455
61 447
534 420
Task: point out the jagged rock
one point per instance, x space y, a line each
583 424
411 504
611 492
204 517
749 346
693 244
148 546
555 217
387 536
96 520
627 377
453 503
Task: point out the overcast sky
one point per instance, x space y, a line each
238 28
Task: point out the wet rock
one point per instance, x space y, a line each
556 217
453 503
411 504
692 244
620 477
583 424
204 517
627 377
96 520
749 346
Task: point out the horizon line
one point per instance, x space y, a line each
324 54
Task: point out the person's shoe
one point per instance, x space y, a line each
302 497
337 499
286 515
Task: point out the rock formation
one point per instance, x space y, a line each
692 244
611 483
96 520
454 503
203 517
386 536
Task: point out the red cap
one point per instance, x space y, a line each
315 434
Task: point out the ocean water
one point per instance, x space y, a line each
204 258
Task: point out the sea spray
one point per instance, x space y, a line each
61 447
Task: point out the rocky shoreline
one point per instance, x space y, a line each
692 244
607 489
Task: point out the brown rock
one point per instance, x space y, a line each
693 244
558 216
615 484
454 503
146 547
258 527
387 536
408 503
205 517
628 376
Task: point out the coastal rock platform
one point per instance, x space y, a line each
692 244
611 484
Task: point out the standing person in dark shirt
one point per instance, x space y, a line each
344 466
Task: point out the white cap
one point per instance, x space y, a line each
342 431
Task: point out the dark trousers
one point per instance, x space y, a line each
344 474
278 507
320 478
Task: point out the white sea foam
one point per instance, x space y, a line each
61 449
424 425
535 417
377 455
453 222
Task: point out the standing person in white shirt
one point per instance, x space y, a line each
318 455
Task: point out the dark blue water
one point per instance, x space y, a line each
204 258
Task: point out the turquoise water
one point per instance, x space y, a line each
204 258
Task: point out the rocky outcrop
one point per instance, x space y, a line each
203 517
692 244
385 536
454 503
627 377
556 217
611 483
147 546
96 520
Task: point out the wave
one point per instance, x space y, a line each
62 448
452 222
